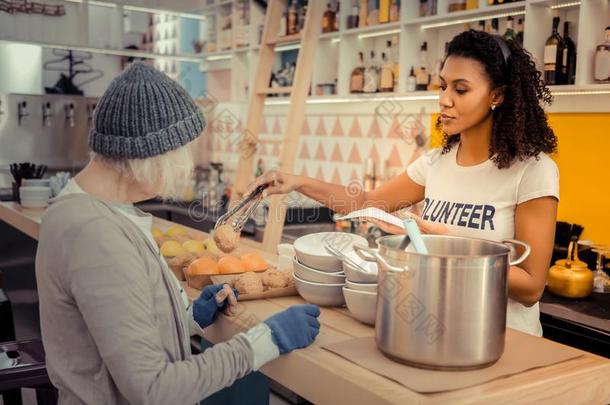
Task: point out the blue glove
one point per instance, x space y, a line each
206 308
295 327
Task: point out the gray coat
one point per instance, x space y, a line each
114 329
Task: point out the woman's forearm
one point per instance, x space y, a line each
339 198
522 287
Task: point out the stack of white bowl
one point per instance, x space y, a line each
360 290
34 193
318 275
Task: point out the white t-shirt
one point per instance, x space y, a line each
480 201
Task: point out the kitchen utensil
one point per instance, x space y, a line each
311 251
325 295
361 304
309 274
353 274
601 281
446 309
415 236
570 278
239 214
340 255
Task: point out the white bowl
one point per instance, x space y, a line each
308 274
369 287
34 203
357 275
36 182
361 304
325 295
311 251
34 192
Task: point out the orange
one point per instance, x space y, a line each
254 262
231 265
203 265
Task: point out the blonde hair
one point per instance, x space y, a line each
166 175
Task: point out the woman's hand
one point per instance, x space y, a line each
425 227
213 300
279 183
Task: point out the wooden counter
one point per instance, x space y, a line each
324 378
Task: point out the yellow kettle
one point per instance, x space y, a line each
570 278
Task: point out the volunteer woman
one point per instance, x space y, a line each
115 323
491 179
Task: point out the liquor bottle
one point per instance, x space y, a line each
371 75
302 12
494 26
424 9
569 56
386 80
602 60
384 11
481 25
363 14
510 34
422 77
394 58
356 84
472 4
328 21
284 23
553 56
435 79
291 19
337 17
411 80
352 19
394 11
433 6
520 31
373 13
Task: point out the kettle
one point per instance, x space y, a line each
570 278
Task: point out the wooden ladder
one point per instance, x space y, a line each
299 90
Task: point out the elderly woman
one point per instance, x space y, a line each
116 325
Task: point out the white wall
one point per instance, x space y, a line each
20 69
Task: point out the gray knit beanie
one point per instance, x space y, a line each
142 114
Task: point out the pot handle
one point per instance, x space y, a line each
372 255
525 254
365 253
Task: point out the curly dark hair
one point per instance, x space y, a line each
520 127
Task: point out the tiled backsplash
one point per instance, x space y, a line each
332 147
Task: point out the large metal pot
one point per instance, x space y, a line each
447 309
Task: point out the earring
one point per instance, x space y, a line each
493 107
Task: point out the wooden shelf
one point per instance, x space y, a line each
373 29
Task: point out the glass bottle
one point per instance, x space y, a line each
363 14
291 19
357 76
422 76
411 80
602 60
352 19
569 56
371 75
510 33
386 81
328 21
553 56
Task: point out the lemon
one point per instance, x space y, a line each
193 246
156 232
210 246
176 230
172 248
